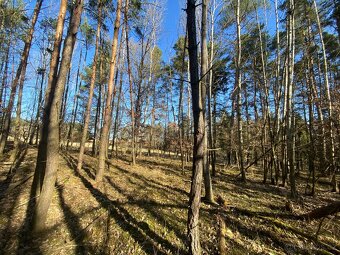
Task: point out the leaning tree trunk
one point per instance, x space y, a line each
199 133
51 123
110 91
19 73
91 89
52 77
17 132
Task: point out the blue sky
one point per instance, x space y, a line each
166 39
171 28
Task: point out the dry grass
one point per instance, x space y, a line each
143 209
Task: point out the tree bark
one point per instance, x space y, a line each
238 85
209 92
278 94
117 116
17 132
51 123
40 98
97 122
209 197
52 77
180 104
133 152
4 81
199 133
329 100
110 90
289 99
69 138
91 90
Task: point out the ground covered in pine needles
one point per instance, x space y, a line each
143 210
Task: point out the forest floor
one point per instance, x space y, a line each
143 210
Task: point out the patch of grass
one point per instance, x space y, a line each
142 209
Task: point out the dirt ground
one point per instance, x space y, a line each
143 210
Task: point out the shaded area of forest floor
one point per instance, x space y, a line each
143 210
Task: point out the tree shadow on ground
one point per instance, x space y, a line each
11 190
250 213
73 224
4 185
168 168
149 182
273 236
8 204
266 236
252 185
138 230
151 207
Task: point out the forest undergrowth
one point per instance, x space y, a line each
142 209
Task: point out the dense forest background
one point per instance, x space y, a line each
221 139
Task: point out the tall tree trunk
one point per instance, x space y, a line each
114 98
97 120
311 156
329 100
75 105
336 15
52 78
209 92
4 81
238 85
64 105
180 104
17 131
21 70
51 122
278 94
317 100
266 106
40 101
133 140
116 122
108 108
289 98
91 90
199 133
204 88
